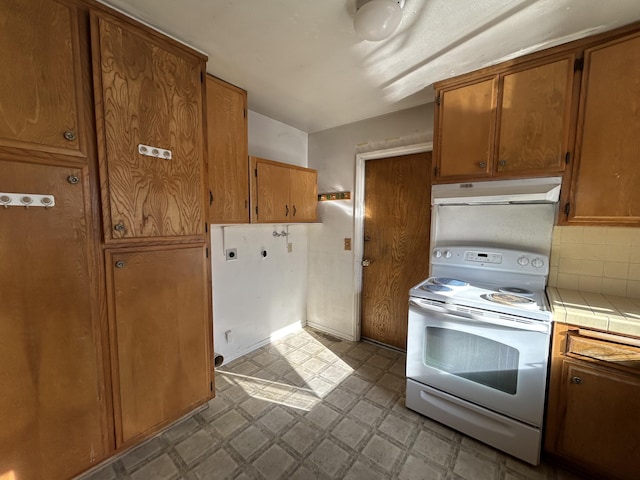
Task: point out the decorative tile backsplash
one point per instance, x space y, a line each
596 259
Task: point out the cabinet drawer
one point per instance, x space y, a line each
614 354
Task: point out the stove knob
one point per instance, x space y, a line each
537 262
523 261
447 254
437 253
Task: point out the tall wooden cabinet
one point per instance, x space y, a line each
605 177
515 122
149 91
105 294
227 143
283 193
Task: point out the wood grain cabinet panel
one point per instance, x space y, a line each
535 110
466 124
283 193
53 414
601 418
41 100
227 160
151 94
604 188
160 336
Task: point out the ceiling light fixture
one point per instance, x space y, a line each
376 20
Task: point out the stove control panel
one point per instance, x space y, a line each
482 257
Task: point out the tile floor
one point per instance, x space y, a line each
311 406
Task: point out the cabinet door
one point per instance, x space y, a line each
606 174
534 117
465 134
601 417
227 159
148 93
52 397
271 192
161 336
40 87
303 194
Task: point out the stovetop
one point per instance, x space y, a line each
498 280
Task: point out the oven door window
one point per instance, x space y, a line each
473 357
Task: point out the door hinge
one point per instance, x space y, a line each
211 386
567 207
206 252
206 227
578 64
435 171
438 99
256 209
244 112
201 77
255 172
567 158
210 197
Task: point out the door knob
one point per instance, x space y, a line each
367 239
119 227
576 380
366 262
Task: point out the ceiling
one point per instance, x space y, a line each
302 63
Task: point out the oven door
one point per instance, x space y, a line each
499 363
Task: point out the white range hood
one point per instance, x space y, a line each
492 192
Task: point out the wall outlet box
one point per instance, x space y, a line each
231 254
347 244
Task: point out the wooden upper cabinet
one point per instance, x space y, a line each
516 122
53 408
148 92
41 97
227 158
283 193
466 125
303 194
534 118
604 187
161 336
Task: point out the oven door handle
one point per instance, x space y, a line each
528 325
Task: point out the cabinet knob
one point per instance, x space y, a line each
366 262
482 164
72 179
120 264
502 163
119 227
70 135
576 380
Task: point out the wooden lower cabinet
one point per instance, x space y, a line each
594 409
160 336
53 405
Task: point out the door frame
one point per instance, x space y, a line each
358 218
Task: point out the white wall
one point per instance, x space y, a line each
331 298
258 297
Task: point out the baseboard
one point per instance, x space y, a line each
330 331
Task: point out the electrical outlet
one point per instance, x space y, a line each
289 247
347 244
231 254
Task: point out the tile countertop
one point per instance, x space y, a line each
603 312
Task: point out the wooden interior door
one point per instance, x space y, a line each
41 84
150 94
396 243
160 335
228 161
303 194
52 394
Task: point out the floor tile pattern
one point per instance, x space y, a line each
310 406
